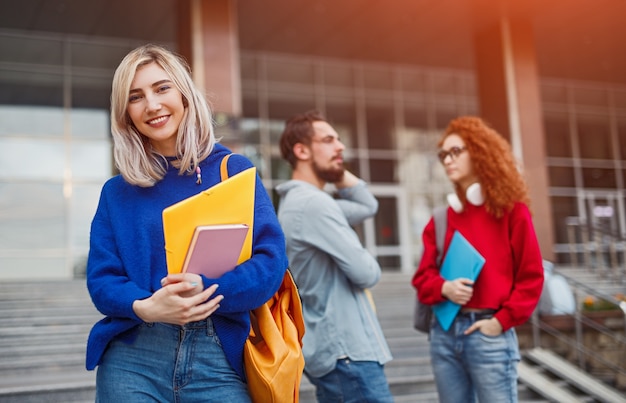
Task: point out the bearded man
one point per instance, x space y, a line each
344 347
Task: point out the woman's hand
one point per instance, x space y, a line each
192 278
459 291
180 301
488 327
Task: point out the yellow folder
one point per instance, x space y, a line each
228 202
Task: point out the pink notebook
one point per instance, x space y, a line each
215 249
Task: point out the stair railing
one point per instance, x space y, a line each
583 325
603 249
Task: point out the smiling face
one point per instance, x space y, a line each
155 107
458 167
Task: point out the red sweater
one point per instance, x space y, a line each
511 279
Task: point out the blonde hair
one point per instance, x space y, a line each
138 163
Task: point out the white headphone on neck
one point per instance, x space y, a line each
473 194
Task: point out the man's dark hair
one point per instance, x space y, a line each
298 129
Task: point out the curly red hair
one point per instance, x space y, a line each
493 163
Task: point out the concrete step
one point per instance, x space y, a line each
12 370
61 391
55 331
590 387
545 386
595 278
44 328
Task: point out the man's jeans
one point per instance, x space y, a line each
474 366
353 381
169 363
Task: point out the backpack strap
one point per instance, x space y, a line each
224 167
440 215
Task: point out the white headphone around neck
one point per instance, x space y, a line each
473 194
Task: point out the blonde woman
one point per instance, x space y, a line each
176 337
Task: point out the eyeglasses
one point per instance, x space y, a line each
453 152
327 140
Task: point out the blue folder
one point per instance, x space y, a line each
461 260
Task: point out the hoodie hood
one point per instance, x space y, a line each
285 187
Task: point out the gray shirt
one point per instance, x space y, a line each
332 270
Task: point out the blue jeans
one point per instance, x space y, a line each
169 363
474 366
353 381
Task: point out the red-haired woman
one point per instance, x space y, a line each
476 358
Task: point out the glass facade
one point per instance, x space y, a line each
55 145
55 148
389 117
585 143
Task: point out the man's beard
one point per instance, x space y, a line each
330 175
